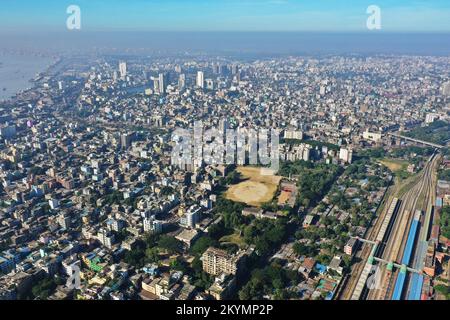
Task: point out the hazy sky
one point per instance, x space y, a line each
226 15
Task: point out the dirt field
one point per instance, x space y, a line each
394 165
256 190
284 197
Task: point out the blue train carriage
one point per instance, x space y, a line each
407 254
399 284
416 287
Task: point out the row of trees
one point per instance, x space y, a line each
444 175
436 132
445 222
150 249
314 179
406 151
272 280
265 234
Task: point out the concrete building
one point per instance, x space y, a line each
351 246
200 79
123 69
346 155
216 261
152 225
372 136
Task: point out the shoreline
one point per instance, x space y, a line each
20 74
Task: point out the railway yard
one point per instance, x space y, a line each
389 265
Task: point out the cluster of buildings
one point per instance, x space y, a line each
86 173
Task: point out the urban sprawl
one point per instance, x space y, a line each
93 205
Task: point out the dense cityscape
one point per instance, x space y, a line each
93 207
224 158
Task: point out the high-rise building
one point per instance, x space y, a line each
350 246
200 79
152 225
322 90
155 85
158 120
216 261
216 68
125 140
223 125
346 155
8 131
106 238
123 69
191 217
181 81
209 84
162 83
446 89
53 203
64 220
234 69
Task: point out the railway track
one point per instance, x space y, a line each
426 207
392 249
364 253
397 241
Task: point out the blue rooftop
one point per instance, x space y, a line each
320 268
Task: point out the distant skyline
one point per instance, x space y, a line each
28 16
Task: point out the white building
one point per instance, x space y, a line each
64 220
200 79
346 155
181 81
191 217
123 69
209 84
446 89
162 83
293 134
53 203
152 225
431 117
372 136
106 238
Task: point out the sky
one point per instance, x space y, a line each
27 16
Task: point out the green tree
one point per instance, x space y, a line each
170 244
202 244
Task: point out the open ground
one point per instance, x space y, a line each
256 189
